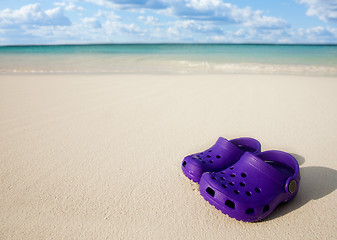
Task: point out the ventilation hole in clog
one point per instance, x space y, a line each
211 161
218 156
248 193
243 175
232 175
224 186
209 150
184 163
210 191
231 183
231 168
201 153
236 192
242 184
203 161
258 190
266 208
230 204
214 178
222 172
208 156
222 178
250 211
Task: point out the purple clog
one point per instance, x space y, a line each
251 188
221 155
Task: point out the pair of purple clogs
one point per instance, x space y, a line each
240 180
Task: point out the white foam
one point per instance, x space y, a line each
185 67
258 68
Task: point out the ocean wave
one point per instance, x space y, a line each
257 68
184 67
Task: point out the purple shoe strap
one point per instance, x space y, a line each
238 144
247 143
225 144
288 160
260 160
280 157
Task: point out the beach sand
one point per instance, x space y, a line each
99 156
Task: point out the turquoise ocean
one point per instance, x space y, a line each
171 59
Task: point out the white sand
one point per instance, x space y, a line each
99 156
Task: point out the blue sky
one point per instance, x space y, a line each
149 21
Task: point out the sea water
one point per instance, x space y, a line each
170 58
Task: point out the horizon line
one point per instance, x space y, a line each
166 43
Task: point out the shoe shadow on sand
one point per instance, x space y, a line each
316 182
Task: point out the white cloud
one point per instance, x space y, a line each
265 22
72 7
33 15
115 28
204 4
215 10
238 36
60 4
196 26
103 3
218 11
317 34
110 15
325 10
191 31
184 21
219 38
200 10
92 23
149 20
148 4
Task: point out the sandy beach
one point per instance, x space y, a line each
99 156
